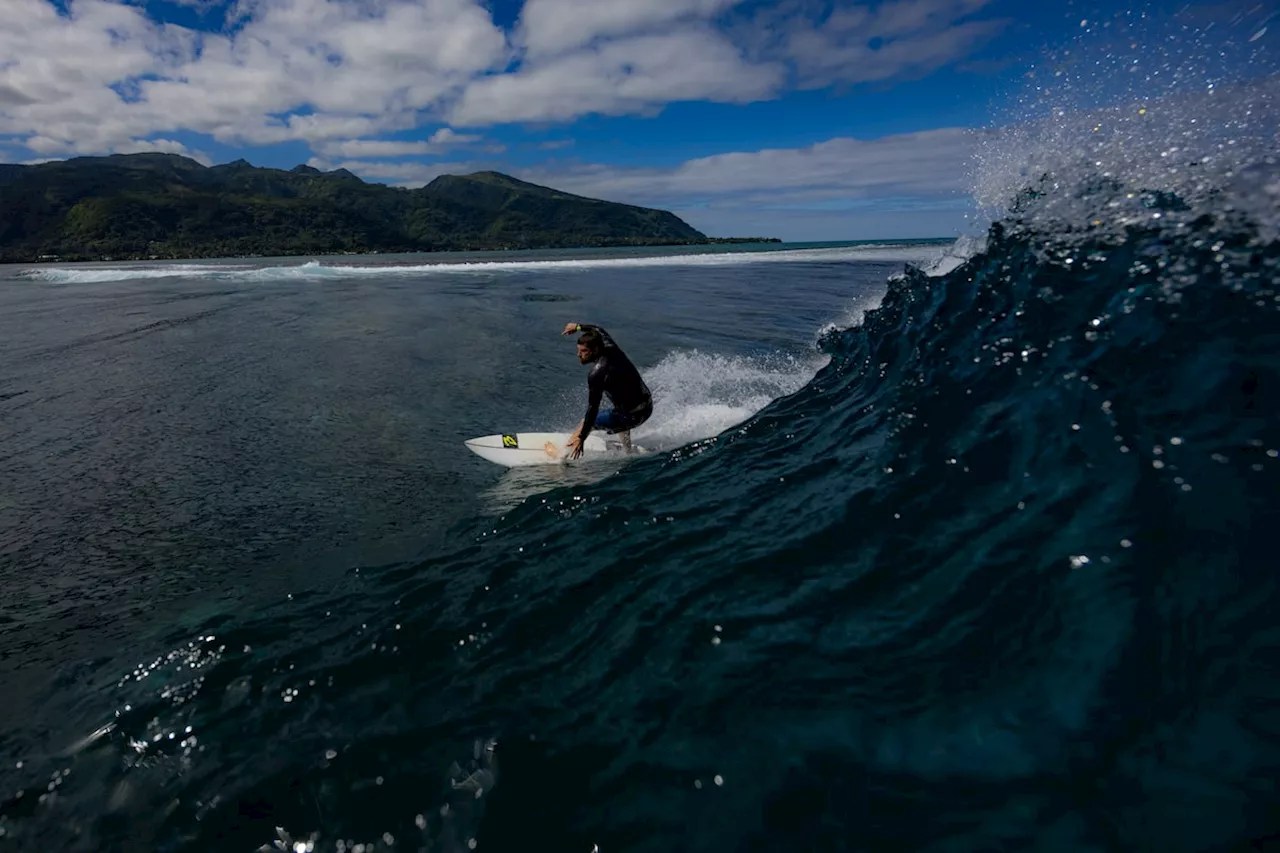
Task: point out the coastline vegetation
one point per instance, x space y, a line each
165 206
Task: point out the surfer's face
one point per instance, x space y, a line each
585 354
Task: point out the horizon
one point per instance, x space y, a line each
828 121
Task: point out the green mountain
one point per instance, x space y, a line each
128 206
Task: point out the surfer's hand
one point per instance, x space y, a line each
575 447
569 328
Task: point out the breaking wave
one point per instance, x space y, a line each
319 271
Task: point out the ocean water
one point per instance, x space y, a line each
187 443
939 548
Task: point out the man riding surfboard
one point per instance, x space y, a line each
612 373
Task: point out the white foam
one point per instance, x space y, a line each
956 255
699 395
316 270
854 314
92 275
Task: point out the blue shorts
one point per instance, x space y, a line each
613 421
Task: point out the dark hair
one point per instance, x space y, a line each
592 340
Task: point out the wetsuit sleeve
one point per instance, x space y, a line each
605 337
595 392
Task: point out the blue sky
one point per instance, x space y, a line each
802 119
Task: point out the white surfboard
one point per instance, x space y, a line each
532 448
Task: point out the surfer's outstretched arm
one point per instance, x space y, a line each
570 328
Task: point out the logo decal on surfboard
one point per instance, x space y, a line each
510 441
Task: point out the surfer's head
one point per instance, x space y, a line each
589 347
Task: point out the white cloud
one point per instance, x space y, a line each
164 146
441 141
932 165
553 26
346 71
817 225
858 43
295 69
633 75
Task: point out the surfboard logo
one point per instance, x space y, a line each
510 441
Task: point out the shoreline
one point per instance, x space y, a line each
48 260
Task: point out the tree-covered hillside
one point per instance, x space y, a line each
164 205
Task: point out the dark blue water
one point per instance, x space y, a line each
988 568
183 443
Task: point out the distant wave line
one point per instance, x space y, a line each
887 251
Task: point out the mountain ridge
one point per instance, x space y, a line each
155 205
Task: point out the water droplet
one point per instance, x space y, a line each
330 754
697 783
1078 561
719 780
1175 440
420 822
1125 543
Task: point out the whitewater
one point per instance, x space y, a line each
584 261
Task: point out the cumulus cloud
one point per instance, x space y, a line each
553 26
583 56
856 43
330 72
106 74
932 165
632 75
439 142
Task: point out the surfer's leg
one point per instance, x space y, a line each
626 440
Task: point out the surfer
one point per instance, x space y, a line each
612 373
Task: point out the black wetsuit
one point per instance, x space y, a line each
613 374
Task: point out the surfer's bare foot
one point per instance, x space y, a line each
551 449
